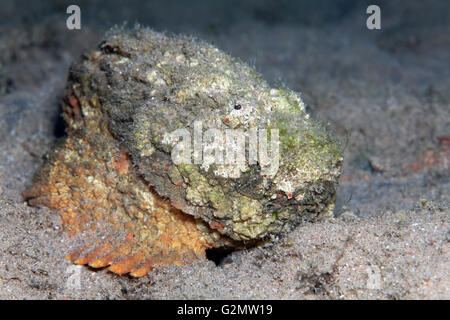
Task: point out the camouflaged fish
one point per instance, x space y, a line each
123 200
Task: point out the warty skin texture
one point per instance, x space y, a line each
114 172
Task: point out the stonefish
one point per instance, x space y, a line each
128 203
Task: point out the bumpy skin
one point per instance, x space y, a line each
115 166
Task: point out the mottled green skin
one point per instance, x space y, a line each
150 84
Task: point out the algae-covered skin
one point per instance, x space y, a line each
126 100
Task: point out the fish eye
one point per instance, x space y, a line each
237 107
